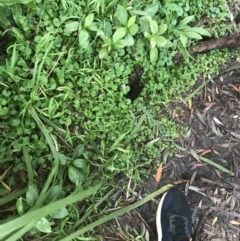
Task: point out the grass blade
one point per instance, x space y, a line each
24 220
223 169
87 214
28 165
45 133
116 214
196 91
10 2
12 196
136 128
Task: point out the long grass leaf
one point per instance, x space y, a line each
135 129
116 214
208 161
43 193
58 129
10 2
88 213
17 223
45 133
21 232
199 88
28 165
12 196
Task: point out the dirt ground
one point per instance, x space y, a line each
213 196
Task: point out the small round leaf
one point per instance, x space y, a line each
160 41
19 205
80 163
78 151
72 26
103 53
133 29
60 213
44 226
31 195
76 175
162 29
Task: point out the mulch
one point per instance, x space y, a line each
213 195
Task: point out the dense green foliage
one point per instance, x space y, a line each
63 110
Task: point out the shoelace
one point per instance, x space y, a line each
178 225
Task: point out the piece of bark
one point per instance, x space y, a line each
206 46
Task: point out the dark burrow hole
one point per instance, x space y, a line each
135 83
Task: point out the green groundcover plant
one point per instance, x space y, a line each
64 116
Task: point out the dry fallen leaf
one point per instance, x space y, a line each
179 181
165 156
190 104
213 93
214 221
236 88
234 222
217 121
205 152
235 135
193 177
209 232
159 172
194 154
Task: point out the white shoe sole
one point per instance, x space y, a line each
158 218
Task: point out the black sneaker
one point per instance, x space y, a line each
174 217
